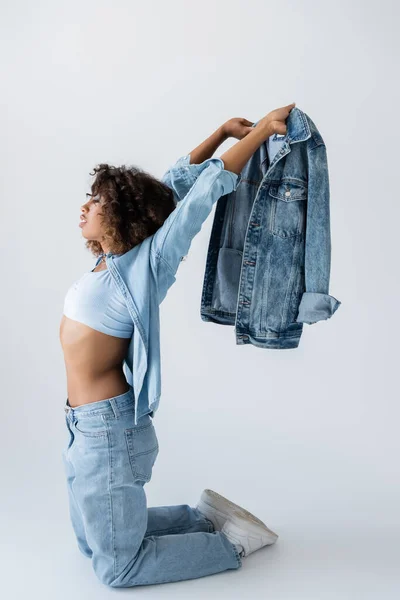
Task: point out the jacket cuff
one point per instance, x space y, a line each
191 171
316 307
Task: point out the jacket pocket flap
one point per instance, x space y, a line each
288 191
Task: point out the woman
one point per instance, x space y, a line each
112 443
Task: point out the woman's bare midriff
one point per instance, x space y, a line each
93 362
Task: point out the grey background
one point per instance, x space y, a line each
306 439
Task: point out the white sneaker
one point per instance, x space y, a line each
218 509
244 531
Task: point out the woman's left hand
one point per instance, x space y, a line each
237 128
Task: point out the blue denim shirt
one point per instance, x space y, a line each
146 272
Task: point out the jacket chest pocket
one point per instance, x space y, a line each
288 202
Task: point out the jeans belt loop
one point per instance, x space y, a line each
115 408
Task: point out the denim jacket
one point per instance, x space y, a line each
268 262
146 272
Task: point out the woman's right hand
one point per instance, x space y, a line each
274 122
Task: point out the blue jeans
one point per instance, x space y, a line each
107 461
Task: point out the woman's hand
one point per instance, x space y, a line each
237 128
236 157
274 122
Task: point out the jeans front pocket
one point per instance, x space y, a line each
142 444
91 426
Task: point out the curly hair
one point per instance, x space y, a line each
135 205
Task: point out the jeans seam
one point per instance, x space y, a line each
110 475
237 555
235 550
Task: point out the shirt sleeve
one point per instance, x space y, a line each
197 187
181 176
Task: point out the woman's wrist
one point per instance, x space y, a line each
207 148
223 132
240 153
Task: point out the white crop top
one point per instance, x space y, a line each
94 300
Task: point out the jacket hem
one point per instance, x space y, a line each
218 316
284 342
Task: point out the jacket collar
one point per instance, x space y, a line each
297 126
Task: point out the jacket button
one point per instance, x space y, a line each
287 193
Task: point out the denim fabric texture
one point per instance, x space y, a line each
268 262
108 458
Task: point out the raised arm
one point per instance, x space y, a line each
211 179
207 148
181 176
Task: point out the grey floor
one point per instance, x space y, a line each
40 560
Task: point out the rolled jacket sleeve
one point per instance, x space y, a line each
316 303
197 187
316 307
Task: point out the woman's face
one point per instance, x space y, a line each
90 221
